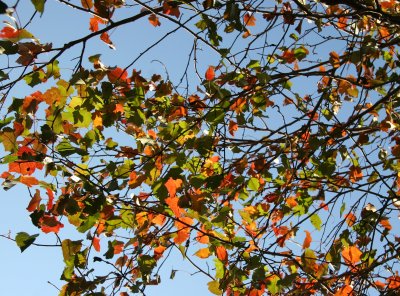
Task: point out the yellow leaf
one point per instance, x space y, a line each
203 253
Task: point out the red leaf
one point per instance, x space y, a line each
118 75
106 38
307 240
171 9
9 33
50 224
96 243
210 73
153 19
50 194
35 202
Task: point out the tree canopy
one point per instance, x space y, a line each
273 170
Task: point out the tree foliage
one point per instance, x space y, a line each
274 170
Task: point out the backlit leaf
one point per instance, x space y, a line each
351 255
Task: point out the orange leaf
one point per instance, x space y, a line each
222 254
88 4
153 19
249 20
118 248
172 185
50 224
351 255
342 22
203 253
238 105
183 230
210 73
29 181
159 220
106 39
386 224
307 240
96 243
380 285
355 174
35 201
393 282
334 59
172 202
94 24
24 167
233 127
344 291
350 219
202 238
50 201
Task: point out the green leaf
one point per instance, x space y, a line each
24 240
316 221
254 184
39 5
213 287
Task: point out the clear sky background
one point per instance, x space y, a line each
28 273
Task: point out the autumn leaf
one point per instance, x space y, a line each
233 127
106 39
221 253
249 19
394 282
210 73
350 219
153 19
203 253
29 181
351 255
34 202
15 35
24 167
172 185
88 4
183 229
173 203
96 243
355 174
50 201
307 240
344 291
171 8
118 74
50 224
